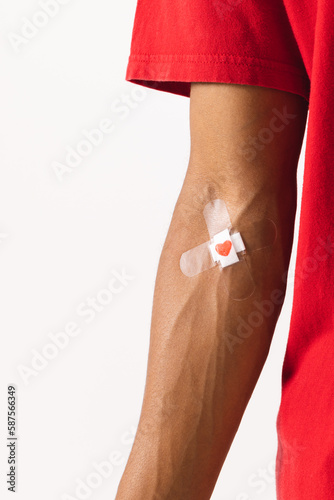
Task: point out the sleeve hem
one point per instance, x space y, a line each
174 73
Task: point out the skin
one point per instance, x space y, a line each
202 368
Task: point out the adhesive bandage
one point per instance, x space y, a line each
228 248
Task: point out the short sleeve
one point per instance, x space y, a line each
176 42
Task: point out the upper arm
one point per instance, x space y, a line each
245 132
245 145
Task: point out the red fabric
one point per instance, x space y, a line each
287 45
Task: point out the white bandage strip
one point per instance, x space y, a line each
237 242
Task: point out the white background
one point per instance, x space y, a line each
60 241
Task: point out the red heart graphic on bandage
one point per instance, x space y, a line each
223 248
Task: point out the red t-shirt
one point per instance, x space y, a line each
286 45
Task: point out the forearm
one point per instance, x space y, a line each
205 357
202 369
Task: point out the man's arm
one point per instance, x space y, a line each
207 350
